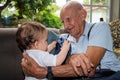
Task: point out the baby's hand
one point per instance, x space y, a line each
66 45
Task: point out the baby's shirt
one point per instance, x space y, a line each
42 58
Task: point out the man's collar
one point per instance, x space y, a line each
71 38
85 33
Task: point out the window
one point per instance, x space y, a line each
96 9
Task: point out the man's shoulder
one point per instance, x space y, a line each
101 26
102 23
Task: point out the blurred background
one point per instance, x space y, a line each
14 12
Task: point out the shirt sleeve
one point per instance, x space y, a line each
100 35
49 59
43 58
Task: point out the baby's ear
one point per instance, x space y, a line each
36 44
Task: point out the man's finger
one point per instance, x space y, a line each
28 59
88 63
78 70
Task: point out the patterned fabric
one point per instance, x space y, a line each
115 29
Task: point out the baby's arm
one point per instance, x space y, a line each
63 53
51 46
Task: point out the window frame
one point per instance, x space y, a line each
92 5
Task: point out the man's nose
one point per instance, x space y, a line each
66 27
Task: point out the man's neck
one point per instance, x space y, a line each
81 32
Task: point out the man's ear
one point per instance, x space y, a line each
83 14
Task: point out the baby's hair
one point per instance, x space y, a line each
28 33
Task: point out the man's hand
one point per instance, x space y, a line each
82 62
31 68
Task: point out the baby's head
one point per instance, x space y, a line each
32 35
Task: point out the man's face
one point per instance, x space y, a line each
72 22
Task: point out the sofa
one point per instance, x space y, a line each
115 31
10 55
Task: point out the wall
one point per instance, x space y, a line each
115 10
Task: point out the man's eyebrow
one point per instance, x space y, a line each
66 18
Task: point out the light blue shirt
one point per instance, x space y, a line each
100 36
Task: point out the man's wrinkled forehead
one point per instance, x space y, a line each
66 15
72 5
67 11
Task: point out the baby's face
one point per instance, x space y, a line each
42 44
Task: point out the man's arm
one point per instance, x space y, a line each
83 62
64 71
95 54
31 68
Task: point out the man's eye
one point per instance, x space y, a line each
68 19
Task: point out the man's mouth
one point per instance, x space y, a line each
69 30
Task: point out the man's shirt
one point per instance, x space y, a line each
100 36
